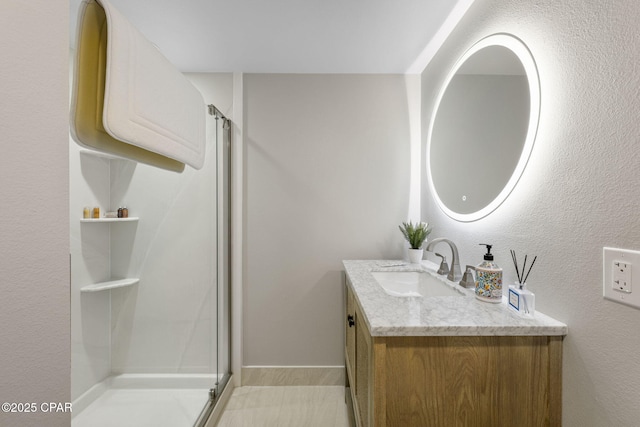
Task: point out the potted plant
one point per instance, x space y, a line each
416 236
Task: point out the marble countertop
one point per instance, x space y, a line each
388 315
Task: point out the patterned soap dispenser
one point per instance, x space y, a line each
488 279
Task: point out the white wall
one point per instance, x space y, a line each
327 172
579 192
34 192
167 322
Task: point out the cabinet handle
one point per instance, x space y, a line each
350 320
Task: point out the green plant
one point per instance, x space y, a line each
415 234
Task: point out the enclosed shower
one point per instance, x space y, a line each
150 295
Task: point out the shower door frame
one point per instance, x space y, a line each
225 255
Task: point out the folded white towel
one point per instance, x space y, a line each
128 99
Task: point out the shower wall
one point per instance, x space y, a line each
167 322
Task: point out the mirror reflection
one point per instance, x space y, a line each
483 128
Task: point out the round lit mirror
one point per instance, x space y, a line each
483 127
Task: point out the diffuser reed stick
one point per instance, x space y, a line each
515 262
522 277
534 261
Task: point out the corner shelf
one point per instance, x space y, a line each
128 219
112 284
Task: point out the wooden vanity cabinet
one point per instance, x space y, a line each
357 357
363 375
441 381
350 336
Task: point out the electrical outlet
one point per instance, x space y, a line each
617 280
621 272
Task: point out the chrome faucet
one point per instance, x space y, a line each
454 273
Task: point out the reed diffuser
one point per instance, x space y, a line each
521 299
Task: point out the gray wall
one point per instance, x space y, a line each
580 190
327 179
34 194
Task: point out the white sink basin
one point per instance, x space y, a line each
414 284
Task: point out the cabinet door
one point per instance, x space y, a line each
350 334
362 368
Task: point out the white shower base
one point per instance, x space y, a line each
143 400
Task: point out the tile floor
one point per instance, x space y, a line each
294 406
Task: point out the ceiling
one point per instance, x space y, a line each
293 36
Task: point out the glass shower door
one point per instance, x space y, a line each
155 351
223 339
224 270
221 354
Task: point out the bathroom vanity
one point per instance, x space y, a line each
445 359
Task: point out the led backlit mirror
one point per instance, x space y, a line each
483 127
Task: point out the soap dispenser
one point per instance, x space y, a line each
488 279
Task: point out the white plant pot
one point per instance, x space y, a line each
415 255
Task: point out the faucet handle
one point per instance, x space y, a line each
444 267
467 278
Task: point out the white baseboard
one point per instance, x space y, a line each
293 375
